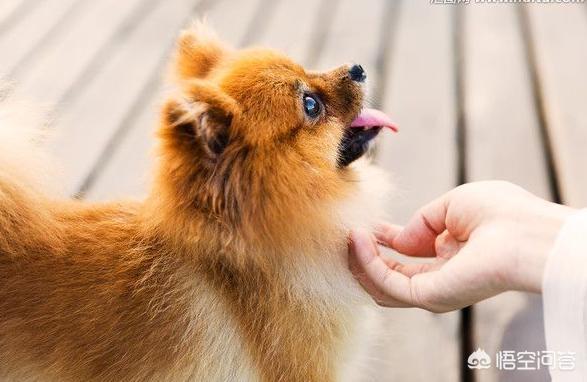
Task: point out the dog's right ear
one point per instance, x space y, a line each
198 51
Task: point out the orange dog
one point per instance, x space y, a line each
234 267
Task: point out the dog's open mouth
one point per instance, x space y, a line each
360 132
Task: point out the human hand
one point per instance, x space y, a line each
485 238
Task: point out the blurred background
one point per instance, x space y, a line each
480 90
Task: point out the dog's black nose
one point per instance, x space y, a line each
357 73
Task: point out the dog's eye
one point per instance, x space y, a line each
311 106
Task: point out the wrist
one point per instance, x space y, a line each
535 244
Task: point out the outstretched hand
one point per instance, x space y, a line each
484 238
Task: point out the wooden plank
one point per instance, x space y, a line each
94 116
77 47
503 142
558 41
419 93
126 172
22 39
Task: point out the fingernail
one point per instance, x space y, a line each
386 233
380 234
379 229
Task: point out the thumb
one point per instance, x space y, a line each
418 237
389 282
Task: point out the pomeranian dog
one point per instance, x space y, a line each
234 268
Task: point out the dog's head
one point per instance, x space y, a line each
250 133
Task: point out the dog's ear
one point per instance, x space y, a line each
198 51
204 113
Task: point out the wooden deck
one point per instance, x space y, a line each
479 91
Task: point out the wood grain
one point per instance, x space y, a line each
28 35
558 36
65 60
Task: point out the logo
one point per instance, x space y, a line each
523 360
479 360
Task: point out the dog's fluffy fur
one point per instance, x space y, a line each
232 269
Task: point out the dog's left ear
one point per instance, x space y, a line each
198 51
205 113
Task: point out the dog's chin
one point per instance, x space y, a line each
355 143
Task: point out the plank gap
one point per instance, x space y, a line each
15 15
466 314
539 103
37 48
326 12
258 22
119 133
102 55
389 25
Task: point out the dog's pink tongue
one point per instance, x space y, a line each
372 118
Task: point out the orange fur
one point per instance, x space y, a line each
233 268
